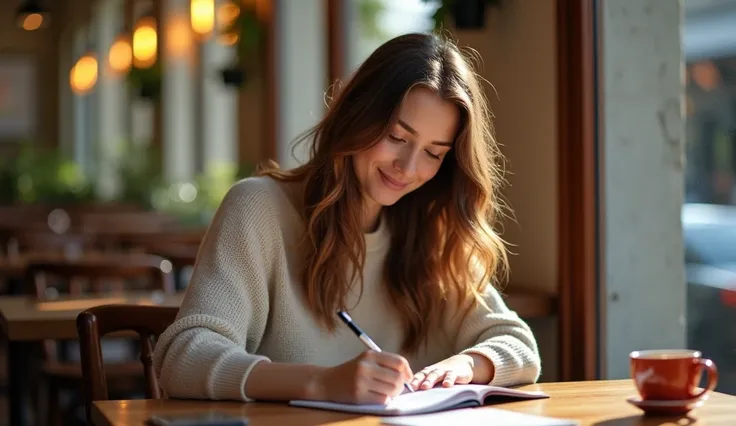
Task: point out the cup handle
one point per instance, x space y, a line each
712 372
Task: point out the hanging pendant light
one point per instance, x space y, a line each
120 57
31 16
202 15
145 42
83 75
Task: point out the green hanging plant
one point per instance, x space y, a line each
146 81
250 33
467 14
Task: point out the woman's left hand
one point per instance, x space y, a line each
457 369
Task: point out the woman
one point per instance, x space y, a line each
390 219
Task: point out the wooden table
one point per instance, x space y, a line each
24 321
599 403
23 318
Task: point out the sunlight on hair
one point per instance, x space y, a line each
445 251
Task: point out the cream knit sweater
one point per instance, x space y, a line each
245 305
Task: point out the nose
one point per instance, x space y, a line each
406 163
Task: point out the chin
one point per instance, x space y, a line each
383 198
384 201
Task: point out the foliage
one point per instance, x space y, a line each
146 81
250 30
369 11
196 201
43 176
445 7
139 174
47 177
8 182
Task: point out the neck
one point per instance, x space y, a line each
371 217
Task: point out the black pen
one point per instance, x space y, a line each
363 337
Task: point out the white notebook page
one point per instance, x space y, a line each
417 402
477 416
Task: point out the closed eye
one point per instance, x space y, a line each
396 139
436 157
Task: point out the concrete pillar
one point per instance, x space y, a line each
178 92
642 156
302 73
219 107
111 98
84 114
142 111
66 96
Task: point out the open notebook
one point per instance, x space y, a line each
428 401
477 416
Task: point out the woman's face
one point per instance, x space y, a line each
412 152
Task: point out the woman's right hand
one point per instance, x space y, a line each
370 378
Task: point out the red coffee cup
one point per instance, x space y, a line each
671 374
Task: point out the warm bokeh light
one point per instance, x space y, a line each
706 75
228 39
178 37
145 43
227 13
32 22
120 57
83 75
202 16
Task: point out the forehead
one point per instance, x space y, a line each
431 116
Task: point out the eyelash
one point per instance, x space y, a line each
394 139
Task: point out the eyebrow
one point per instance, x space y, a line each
411 130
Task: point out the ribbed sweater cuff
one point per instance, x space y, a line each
231 373
505 368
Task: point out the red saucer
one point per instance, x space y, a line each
666 408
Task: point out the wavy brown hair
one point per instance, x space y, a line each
444 250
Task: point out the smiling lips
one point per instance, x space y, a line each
392 183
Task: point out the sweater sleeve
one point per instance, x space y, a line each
204 353
501 336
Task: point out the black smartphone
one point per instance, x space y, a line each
205 419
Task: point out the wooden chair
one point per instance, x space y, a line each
180 247
182 237
126 222
181 257
70 244
58 370
98 266
147 321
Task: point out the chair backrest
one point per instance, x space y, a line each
49 242
95 267
94 323
104 273
127 222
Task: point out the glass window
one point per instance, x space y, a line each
372 22
709 213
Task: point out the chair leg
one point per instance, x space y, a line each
53 411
